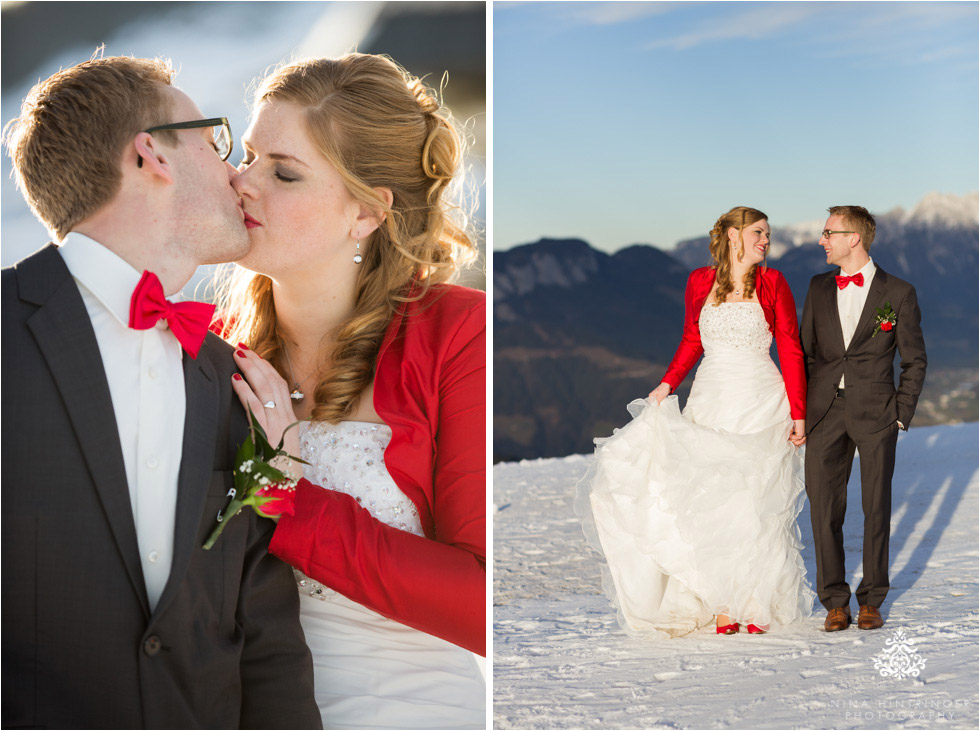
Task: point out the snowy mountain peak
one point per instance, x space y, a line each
550 262
946 209
797 234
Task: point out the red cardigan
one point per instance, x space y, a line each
430 388
780 310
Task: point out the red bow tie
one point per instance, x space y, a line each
188 321
842 282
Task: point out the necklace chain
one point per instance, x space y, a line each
295 394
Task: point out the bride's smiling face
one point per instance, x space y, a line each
300 215
755 238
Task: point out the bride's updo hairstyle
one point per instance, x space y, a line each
721 249
379 127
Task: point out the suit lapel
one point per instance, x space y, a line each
64 334
196 465
837 332
878 286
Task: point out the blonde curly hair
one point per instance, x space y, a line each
739 218
380 127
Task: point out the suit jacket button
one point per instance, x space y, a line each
152 645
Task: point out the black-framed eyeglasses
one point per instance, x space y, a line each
223 141
827 233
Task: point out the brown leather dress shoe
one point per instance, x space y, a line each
838 618
869 617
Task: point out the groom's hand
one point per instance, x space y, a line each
798 435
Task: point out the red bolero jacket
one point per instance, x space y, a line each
430 388
780 310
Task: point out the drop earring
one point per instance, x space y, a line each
357 253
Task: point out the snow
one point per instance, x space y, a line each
946 209
799 234
543 269
561 661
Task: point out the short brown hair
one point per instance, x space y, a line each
68 140
858 219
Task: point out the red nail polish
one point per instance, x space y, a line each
239 353
243 346
237 376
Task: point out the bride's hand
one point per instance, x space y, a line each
798 435
262 385
660 392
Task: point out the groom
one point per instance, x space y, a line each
120 428
854 318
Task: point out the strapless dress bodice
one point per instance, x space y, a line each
349 457
370 671
738 326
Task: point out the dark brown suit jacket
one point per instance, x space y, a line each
872 401
81 648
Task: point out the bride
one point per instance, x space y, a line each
696 511
343 320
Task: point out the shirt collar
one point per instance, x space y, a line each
104 273
866 271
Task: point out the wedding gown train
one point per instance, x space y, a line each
696 512
370 671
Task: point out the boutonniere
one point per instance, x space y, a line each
269 491
885 319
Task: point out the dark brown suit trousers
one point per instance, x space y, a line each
865 417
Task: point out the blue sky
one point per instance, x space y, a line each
625 122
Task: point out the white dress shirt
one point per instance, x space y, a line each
850 303
146 381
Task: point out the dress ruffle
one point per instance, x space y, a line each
695 521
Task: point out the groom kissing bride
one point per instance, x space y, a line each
695 511
123 413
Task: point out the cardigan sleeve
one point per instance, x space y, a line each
436 585
787 336
690 348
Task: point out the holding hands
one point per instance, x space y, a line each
798 435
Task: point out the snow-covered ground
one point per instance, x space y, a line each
561 661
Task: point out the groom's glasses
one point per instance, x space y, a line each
827 233
222 133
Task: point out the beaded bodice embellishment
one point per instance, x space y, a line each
349 457
736 325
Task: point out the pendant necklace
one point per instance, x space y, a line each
295 394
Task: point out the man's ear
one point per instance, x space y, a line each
368 219
148 155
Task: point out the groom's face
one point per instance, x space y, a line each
836 246
208 216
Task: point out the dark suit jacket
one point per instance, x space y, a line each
872 401
81 647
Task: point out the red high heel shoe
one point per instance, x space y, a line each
727 629
755 630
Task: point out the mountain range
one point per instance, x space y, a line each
578 333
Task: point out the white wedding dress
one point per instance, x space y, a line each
370 671
696 512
